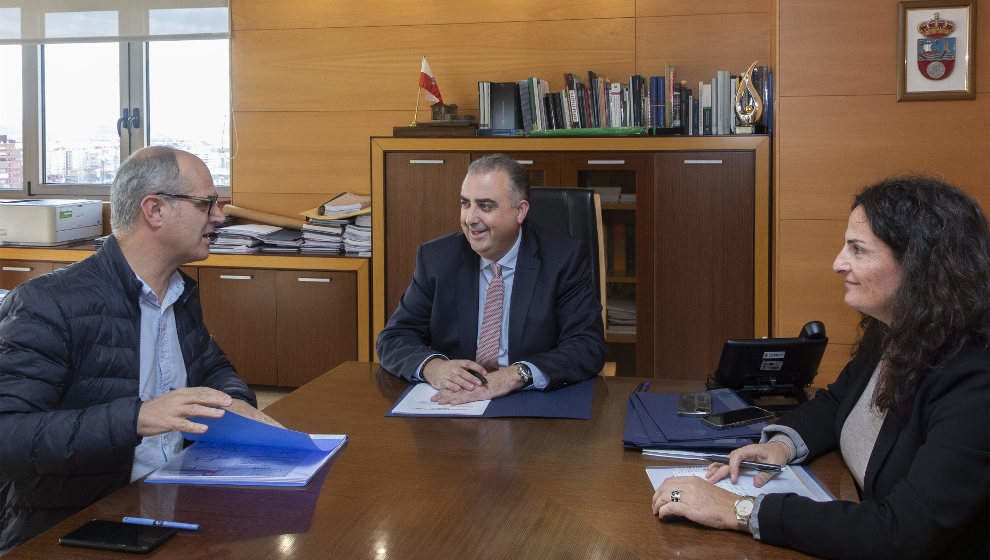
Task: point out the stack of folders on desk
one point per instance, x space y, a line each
652 421
322 238
357 236
236 450
251 238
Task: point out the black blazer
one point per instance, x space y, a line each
555 319
927 482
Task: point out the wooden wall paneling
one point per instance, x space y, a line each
698 46
357 69
426 209
653 8
853 45
281 203
699 302
838 48
836 357
315 326
308 152
807 288
285 14
832 147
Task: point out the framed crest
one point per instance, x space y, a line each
936 50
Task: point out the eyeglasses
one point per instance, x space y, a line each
208 201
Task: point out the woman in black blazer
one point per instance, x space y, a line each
909 412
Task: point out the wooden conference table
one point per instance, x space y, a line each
436 488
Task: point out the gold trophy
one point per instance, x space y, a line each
749 106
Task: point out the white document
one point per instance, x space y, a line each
794 479
417 401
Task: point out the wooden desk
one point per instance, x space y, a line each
436 488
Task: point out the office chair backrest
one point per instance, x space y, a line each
574 212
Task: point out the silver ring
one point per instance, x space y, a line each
675 496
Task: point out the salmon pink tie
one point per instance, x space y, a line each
491 324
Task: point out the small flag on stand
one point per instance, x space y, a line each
429 83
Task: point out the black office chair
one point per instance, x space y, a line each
577 213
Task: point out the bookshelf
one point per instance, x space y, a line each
697 237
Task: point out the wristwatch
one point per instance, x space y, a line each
744 508
522 370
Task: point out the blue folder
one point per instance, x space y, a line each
652 421
571 401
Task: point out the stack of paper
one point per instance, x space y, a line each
652 421
240 451
794 479
345 203
250 238
357 238
621 316
322 239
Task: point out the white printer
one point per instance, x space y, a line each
49 222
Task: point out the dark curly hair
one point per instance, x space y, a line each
939 236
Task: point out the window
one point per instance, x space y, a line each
11 119
81 90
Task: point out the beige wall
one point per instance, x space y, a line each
313 79
840 128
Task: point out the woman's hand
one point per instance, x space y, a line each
773 452
698 500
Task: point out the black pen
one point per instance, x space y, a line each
766 467
480 377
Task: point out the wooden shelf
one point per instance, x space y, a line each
617 206
621 338
620 279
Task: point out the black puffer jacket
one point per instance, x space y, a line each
69 375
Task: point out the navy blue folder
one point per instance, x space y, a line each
572 401
652 421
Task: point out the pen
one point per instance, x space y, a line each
479 376
160 523
767 467
639 387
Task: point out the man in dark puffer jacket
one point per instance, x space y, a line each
103 361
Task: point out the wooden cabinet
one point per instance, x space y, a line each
281 320
239 310
13 272
316 314
281 327
691 250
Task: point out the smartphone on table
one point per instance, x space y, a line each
739 417
115 535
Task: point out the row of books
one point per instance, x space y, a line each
661 103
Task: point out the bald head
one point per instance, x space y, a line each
147 171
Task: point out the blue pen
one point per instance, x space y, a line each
160 523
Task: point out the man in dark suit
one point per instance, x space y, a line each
499 307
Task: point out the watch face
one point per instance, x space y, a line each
744 508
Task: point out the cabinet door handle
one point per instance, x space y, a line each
235 277
17 269
426 162
316 280
702 162
606 162
524 161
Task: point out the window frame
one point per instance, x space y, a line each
133 61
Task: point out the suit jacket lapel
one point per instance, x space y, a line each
467 291
881 449
527 271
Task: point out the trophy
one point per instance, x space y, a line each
749 106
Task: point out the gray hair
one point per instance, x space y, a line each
518 178
147 171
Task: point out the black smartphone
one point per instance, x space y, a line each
738 417
114 535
